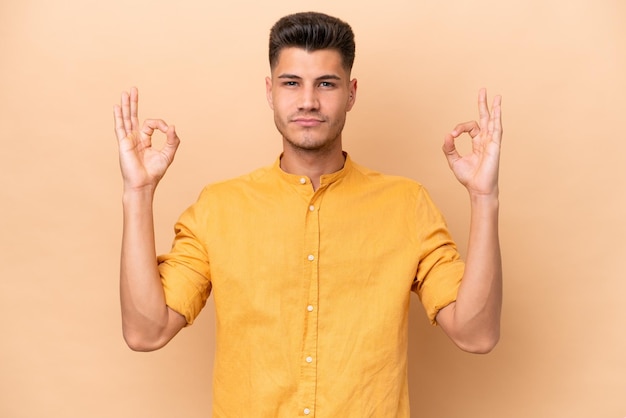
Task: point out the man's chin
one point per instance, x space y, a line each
308 144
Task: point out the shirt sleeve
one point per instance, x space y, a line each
440 268
185 272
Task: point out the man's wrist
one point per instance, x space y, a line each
138 195
487 201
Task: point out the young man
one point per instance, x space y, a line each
311 260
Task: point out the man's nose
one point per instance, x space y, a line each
309 99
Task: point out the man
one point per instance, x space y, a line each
311 261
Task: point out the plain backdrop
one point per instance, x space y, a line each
560 66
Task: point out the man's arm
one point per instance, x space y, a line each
147 322
473 321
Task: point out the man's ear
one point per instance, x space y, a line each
352 94
268 92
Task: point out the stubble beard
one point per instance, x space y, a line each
307 141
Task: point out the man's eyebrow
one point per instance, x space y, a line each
290 76
322 77
329 77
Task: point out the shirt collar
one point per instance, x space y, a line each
326 179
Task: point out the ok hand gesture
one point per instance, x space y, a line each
478 171
142 165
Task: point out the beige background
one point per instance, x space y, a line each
560 65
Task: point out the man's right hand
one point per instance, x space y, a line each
147 322
142 165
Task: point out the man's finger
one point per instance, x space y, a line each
154 124
120 132
496 119
171 144
470 127
125 103
483 109
134 108
172 137
449 149
148 128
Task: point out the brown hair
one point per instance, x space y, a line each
312 31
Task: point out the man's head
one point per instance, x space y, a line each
312 31
310 90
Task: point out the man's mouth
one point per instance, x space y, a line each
307 121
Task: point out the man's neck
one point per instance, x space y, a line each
313 164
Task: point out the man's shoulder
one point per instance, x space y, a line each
375 177
239 184
255 176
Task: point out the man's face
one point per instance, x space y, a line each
310 94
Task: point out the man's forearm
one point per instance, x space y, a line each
474 319
144 313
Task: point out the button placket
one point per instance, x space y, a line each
308 382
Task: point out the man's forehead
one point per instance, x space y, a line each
300 62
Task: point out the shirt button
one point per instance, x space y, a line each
309 359
309 308
306 411
302 180
311 208
311 257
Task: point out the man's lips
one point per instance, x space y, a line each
307 122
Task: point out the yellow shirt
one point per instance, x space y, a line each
311 289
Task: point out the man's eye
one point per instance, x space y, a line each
290 83
326 84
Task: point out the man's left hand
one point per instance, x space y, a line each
478 170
